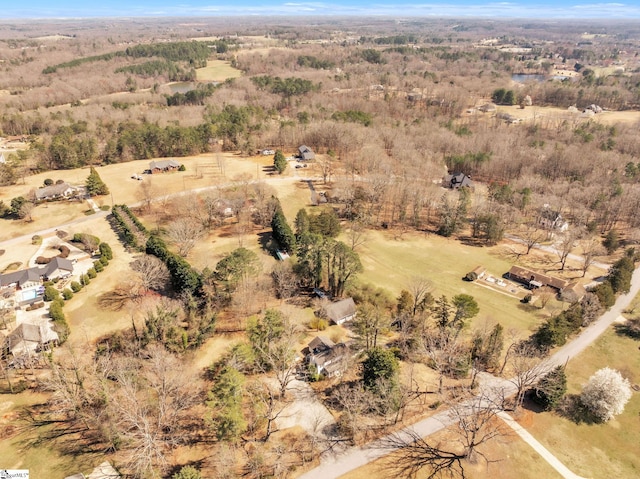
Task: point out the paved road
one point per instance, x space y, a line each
334 467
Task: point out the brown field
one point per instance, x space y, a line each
217 70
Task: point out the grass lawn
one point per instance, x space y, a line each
391 264
25 447
597 450
217 70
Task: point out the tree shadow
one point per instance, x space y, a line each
572 408
267 243
630 329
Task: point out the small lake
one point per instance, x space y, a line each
185 86
535 77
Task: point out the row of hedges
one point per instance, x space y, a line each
183 276
124 218
57 299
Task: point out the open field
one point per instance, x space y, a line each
391 264
596 451
217 70
26 446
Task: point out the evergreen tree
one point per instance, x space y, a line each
282 232
95 185
551 388
302 222
280 162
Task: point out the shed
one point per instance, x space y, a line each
306 153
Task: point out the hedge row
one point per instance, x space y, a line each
124 218
183 276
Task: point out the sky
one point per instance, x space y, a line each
435 8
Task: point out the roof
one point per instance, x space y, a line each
574 291
530 275
479 270
306 152
457 180
21 277
163 164
53 190
57 263
31 333
320 342
340 309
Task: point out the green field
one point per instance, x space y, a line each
391 263
217 70
597 450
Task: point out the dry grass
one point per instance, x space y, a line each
597 451
217 70
511 455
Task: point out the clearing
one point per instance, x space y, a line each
217 70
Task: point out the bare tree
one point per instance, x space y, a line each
564 247
545 294
184 232
445 354
474 423
151 271
420 289
267 405
285 281
146 194
526 368
531 235
591 248
356 233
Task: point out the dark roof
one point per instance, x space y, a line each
340 309
528 275
163 164
320 343
306 153
457 180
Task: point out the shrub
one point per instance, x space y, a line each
471 276
61 234
319 324
51 293
64 251
67 294
103 260
85 279
36 239
182 168
75 286
105 251
42 260
105 207
48 182
91 272
98 266
35 306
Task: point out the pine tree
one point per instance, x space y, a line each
95 185
280 162
551 388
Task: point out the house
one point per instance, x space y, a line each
457 180
29 281
30 338
341 311
58 191
57 268
533 279
328 358
551 220
573 293
305 153
164 166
